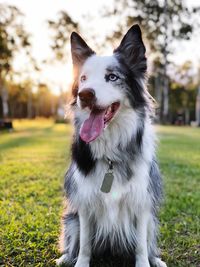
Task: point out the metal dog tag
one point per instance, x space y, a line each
107 182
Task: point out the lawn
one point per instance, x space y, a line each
33 160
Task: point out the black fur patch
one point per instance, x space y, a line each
134 90
140 130
104 247
155 185
83 157
133 148
70 217
70 184
132 49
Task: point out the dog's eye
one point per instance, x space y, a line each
83 78
112 77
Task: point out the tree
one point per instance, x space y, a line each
197 117
43 102
61 30
12 38
162 23
183 92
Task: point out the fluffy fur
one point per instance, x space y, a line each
123 221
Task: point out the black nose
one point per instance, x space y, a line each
87 97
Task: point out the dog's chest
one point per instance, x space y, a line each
120 204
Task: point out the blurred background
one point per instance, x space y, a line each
35 79
35 62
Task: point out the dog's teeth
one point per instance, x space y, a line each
106 116
109 109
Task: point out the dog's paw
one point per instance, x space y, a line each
63 260
82 265
82 262
142 263
157 262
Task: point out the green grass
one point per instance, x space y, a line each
179 156
33 159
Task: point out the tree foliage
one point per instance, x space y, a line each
183 94
170 19
13 36
61 29
163 22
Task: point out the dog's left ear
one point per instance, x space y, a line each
133 50
79 49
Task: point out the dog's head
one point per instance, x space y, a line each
104 85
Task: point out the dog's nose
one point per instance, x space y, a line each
87 97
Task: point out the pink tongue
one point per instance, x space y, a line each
93 126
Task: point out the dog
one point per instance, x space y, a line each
113 185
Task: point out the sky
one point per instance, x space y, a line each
38 12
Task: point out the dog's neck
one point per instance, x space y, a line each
121 136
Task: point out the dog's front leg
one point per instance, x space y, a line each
85 241
141 235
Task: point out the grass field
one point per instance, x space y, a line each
33 159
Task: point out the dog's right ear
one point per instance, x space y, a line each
132 50
79 49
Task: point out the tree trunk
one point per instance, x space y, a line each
158 96
187 116
198 107
165 99
4 98
29 104
165 81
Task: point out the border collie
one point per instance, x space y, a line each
113 185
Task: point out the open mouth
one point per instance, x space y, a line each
99 118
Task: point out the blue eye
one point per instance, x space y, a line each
112 77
